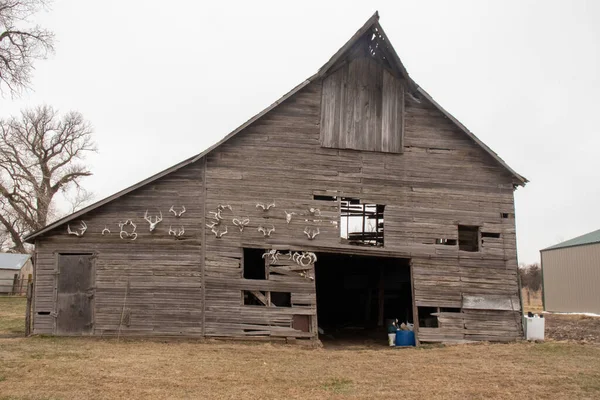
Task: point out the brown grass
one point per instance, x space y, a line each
71 368
12 316
76 368
535 303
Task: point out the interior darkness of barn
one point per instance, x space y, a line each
357 294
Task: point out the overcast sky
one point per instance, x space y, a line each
162 80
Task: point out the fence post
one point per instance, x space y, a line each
28 309
15 284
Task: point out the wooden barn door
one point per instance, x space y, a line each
74 300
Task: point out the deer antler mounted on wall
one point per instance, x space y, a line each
218 234
265 207
124 234
157 219
266 231
311 233
288 216
177 233
221 207
274 254
105 231
79 232
177 214
314 211
241 224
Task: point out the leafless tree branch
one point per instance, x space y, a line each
41 154
21 43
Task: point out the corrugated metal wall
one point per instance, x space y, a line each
572 279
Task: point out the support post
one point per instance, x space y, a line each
28 309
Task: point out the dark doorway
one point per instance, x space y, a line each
74 303
358 296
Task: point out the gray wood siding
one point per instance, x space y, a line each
153 282
362 108
443 179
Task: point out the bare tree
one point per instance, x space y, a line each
40 155
21 43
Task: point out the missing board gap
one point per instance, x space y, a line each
446 242
361 224
492 235
426 320
43 313
507 215
450 310
323 197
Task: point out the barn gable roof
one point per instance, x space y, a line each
380 44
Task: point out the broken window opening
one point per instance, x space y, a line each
255 298
506 215
447 242
493 235
254 264
468 238
361 224
426 320
281 299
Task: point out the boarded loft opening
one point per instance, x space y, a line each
254 264
468 238
361 224
358 296
255 298
362 104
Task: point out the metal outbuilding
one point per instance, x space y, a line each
571 275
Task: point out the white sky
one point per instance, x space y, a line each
161 81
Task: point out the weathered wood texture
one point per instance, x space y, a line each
442 179
147 286
362 107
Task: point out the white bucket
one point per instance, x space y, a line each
392 339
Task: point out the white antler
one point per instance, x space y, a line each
224 206
266 231
265 207
157 219
311 233
210 226
218 234
123 234
288 216
175 232
269 206
79 232
105 230
241 224
314 211
177 214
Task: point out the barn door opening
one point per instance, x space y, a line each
75 293
358 296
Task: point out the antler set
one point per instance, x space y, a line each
311 233
127 235
157 220
266 231
217 218
265 207
79 232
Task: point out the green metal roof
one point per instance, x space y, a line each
588 238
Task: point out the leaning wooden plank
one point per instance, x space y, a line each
491 302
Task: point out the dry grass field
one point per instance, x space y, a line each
79 368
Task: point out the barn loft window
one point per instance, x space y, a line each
362 106
361 224
254 264
468 238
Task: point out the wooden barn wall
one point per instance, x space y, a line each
442 179
147 286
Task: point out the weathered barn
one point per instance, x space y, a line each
373 203
571 275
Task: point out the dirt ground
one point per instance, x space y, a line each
76 368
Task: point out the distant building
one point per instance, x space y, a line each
11 265
571 275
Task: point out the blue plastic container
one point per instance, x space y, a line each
405 338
